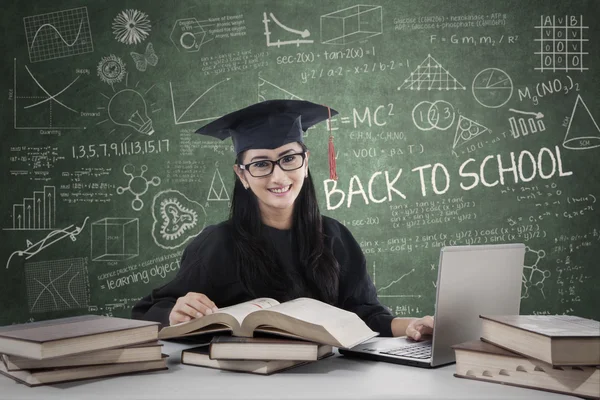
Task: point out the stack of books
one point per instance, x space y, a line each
263 356
546 352
76 348
264 336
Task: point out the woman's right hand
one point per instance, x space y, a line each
192 305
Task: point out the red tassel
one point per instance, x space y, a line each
332 164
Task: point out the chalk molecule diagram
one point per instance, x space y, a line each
138 185
533 275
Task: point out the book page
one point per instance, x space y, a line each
240 311
227 318
346 327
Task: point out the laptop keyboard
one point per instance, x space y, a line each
417 350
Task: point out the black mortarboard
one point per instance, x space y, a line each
268 124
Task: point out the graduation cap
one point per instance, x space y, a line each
271 124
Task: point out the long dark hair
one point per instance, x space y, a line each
256 257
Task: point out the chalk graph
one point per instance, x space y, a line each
284 30
58 34
193 105
57 285
390 289
37 107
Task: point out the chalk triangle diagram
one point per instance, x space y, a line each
270 91
582 132
430 75
466 130
221 194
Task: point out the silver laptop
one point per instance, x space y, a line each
472 280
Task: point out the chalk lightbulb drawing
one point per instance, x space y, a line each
128 108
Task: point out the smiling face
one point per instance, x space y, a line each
278 191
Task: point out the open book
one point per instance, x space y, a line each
301 318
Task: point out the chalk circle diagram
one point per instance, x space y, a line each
58 34
176 219
467 130
57 285
428 115
583 132
131 26
492 88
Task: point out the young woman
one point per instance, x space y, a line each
275 242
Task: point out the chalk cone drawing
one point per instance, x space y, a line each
431 75
583 131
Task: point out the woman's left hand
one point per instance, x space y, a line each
419 327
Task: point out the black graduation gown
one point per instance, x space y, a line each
208 267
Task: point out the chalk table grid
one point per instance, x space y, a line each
561 43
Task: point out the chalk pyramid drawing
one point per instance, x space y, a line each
467 130
430 75
582 132
218 191
270 91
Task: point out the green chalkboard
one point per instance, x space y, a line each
459 123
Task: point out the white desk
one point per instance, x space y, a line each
336 377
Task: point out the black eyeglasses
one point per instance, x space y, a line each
262 168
